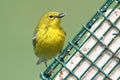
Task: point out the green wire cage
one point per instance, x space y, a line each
94 53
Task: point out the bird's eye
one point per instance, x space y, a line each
51 16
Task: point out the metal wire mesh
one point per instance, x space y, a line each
76 45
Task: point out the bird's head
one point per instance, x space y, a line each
51 18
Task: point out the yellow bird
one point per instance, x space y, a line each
49 37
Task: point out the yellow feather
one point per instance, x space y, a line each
49 37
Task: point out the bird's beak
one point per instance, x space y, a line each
61 15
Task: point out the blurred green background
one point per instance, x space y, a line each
18 18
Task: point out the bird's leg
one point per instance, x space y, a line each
49 73
46 63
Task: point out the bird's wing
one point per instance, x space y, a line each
34 40
34 36
37 29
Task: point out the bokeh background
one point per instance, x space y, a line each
18 18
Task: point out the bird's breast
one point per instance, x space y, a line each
50 42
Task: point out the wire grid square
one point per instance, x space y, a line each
78 62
